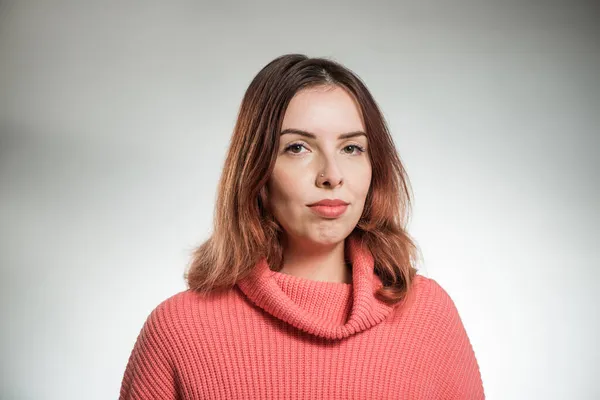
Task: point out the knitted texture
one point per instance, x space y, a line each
278 336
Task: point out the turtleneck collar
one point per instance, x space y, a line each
328 310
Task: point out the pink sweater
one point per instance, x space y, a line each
278 336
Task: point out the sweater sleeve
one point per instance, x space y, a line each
150 373
459 376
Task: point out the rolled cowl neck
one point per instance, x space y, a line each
329 310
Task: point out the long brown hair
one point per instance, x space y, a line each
244 231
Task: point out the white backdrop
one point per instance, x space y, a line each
114 121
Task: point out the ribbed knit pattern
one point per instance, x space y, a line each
278 336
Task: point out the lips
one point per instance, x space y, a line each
329 203
329 208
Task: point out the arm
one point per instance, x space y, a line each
150 373
458 376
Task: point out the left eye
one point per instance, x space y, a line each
352 147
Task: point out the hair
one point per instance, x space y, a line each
245 231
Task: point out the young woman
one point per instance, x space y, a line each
307 288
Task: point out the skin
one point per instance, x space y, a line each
314 245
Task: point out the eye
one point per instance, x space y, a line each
294 146
354 146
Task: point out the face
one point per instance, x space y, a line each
322 133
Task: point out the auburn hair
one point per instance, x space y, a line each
244 231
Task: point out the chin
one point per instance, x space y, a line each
328 238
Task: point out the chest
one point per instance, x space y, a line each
274 361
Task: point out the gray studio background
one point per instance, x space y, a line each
114 122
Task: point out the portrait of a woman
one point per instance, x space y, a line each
307 287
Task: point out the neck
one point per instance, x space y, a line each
319 263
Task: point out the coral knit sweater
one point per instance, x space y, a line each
278 336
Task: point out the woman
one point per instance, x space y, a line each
307 287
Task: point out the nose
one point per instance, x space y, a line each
330 177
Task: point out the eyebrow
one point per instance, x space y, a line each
313 136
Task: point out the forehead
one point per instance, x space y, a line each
323 111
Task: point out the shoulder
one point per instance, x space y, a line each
433 302
434 317
191 309
442 331
431 292
175 314
157 353
176 303
182 306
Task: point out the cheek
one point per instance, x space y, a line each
287 199
361 181
286 187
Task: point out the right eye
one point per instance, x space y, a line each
294 146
